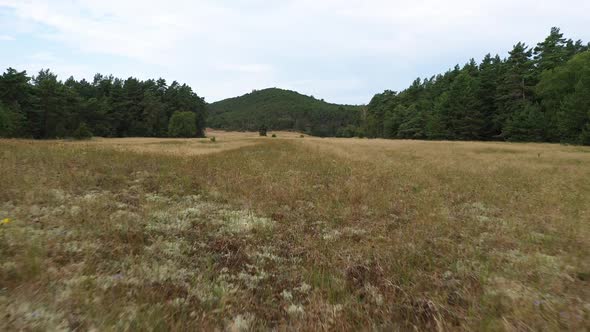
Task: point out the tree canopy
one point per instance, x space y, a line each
45 107
278 109
539 94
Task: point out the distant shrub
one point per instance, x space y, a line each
274 135
301 136
183 124
82 132
262 131
212 139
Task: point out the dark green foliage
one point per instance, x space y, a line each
525 125
82 132
530 96
274 135
12 121
565 95
282 110
183 124
535 94
44 107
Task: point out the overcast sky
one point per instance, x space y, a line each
344 51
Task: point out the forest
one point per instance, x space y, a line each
278 109
536 94
44 107
539 94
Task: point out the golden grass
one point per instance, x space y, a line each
289 232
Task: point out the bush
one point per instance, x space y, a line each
82 132
262 131
274 135
183 124
212 139
301 136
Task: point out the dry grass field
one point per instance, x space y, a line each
257 233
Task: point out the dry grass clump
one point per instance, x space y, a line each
314 234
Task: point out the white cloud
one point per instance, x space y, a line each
225 46
6 38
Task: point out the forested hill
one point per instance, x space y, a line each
45 107
539 93
279 109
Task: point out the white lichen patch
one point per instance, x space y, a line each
287 295
241 221
166 221
304 288
124 216
332 235
265 255
476 209
295 310
374 295
240 323
252 279
174 248
59 196
155 198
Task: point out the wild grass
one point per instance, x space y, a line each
313 234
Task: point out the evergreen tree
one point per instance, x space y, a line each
462 111
565 97
515 89
525 125
490 72
183 124
552 52
414 124
82 132
51 105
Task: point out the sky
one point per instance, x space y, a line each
343 51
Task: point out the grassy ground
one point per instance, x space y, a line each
290 232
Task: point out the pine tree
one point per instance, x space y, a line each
525 125
565 95
490 72
51 105
515 88
463 116
574 114
413 125
552 52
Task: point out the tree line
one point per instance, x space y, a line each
536 94
44 107
539 94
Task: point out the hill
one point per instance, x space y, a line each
279 109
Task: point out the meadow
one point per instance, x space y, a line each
256 233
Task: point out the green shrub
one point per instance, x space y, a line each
274 135
183 124
212 139
262 131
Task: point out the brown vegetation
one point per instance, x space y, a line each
308 233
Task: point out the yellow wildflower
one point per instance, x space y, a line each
6 221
